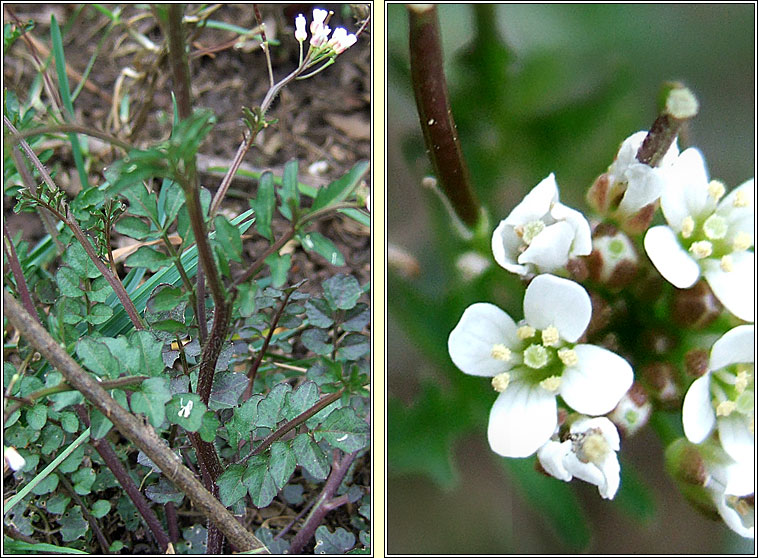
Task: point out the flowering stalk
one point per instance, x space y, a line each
435 116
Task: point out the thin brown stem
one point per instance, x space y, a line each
103 447
18 274
258 264
77 129
102 541
257 362
136 431
295 422
435 115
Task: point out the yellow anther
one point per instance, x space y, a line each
595 448
742 241
741 382
701 249
727 264
716 190
501 381
551 384
740 199
568 357
550 336
501 352
525 332
725 408
688 226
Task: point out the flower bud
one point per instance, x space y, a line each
613 260
599 194
696 362
696 307
660 378
300 33
633 411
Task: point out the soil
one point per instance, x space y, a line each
323 121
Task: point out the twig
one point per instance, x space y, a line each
112 461
102 541
435 114
18 274
141 435
298 420
257 362
325 503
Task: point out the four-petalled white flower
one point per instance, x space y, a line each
723 397
533 362
541 234
637 183
708 234
588 453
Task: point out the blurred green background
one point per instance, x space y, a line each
536 89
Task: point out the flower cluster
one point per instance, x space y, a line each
340 41
564 398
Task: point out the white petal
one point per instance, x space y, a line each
644 187
698 417
549 250
732 518
588 472
582 234
669 258
611 470
735 289
736 438
536 204
505 245
746 190
598 381
606 427
626 156
551 300
740 478
482 326
522 419
551 457
736 345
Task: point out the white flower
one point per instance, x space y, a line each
541 234
723 397
14 459
532 362
300 33
185 410
639 183
731 485
589 453
341 41
706 235
319 30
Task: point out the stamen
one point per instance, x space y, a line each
525 332
716 190
536 356
551 384
688 227
742 380
740 199
550 336
568 357
726 263
595 448
531 230
742 241
725 408
701 249
500 382
501 352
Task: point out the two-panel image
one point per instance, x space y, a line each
378 278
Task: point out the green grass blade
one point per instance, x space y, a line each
20 547
46 471
65 91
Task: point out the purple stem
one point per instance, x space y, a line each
18 274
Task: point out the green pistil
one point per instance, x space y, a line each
536 356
